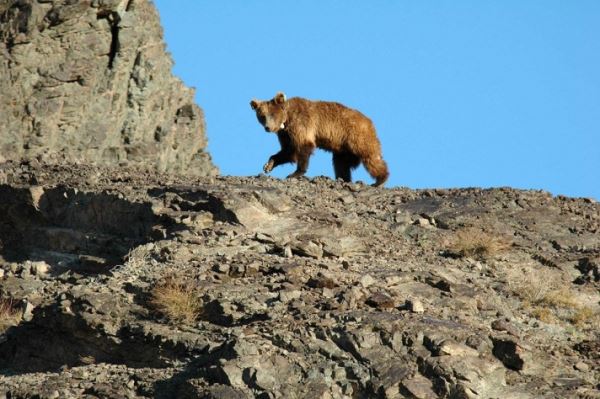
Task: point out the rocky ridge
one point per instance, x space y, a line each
91 81
309 288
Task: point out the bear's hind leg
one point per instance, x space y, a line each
343 163
302 157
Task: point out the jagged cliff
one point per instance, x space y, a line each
90 81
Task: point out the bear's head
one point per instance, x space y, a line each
271 114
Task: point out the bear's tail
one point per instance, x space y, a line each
377 168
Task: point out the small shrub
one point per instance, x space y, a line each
9 314
544 314
533 290
583 315
560 298
476 243
139 256
550 302
178 300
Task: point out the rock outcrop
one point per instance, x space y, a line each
90 81
306 288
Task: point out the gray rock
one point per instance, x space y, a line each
91 82
451 348
582 366
381 301
40 269
503 325
27 311
367 281
510 352
308 248
415 306
417 387
287 296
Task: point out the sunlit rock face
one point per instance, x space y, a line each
90 81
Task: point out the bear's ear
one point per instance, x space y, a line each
279 98
254 104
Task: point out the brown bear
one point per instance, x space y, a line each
302 125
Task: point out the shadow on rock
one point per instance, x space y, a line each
69 229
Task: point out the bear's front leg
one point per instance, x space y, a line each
269 165
283 156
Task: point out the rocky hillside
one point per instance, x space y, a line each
91 81
127 283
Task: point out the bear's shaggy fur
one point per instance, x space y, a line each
302 125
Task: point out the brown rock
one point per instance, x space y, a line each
418 387
512 354
380 301
503 325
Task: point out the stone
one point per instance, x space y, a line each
452 348
589 268
367 281
222 268
582 366
234 374
511 353
380 301
415 306
219 391
287 296
40 269
503 325
308 248
27 311
471 375
422 222
321 281
479 342
418 387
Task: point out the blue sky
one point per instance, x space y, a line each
463 93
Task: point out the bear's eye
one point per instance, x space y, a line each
261 117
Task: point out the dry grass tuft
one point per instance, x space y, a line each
533 290
537 291
544 314
584 315
476 243
9 314
551 302
560 298
139 256
178 300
